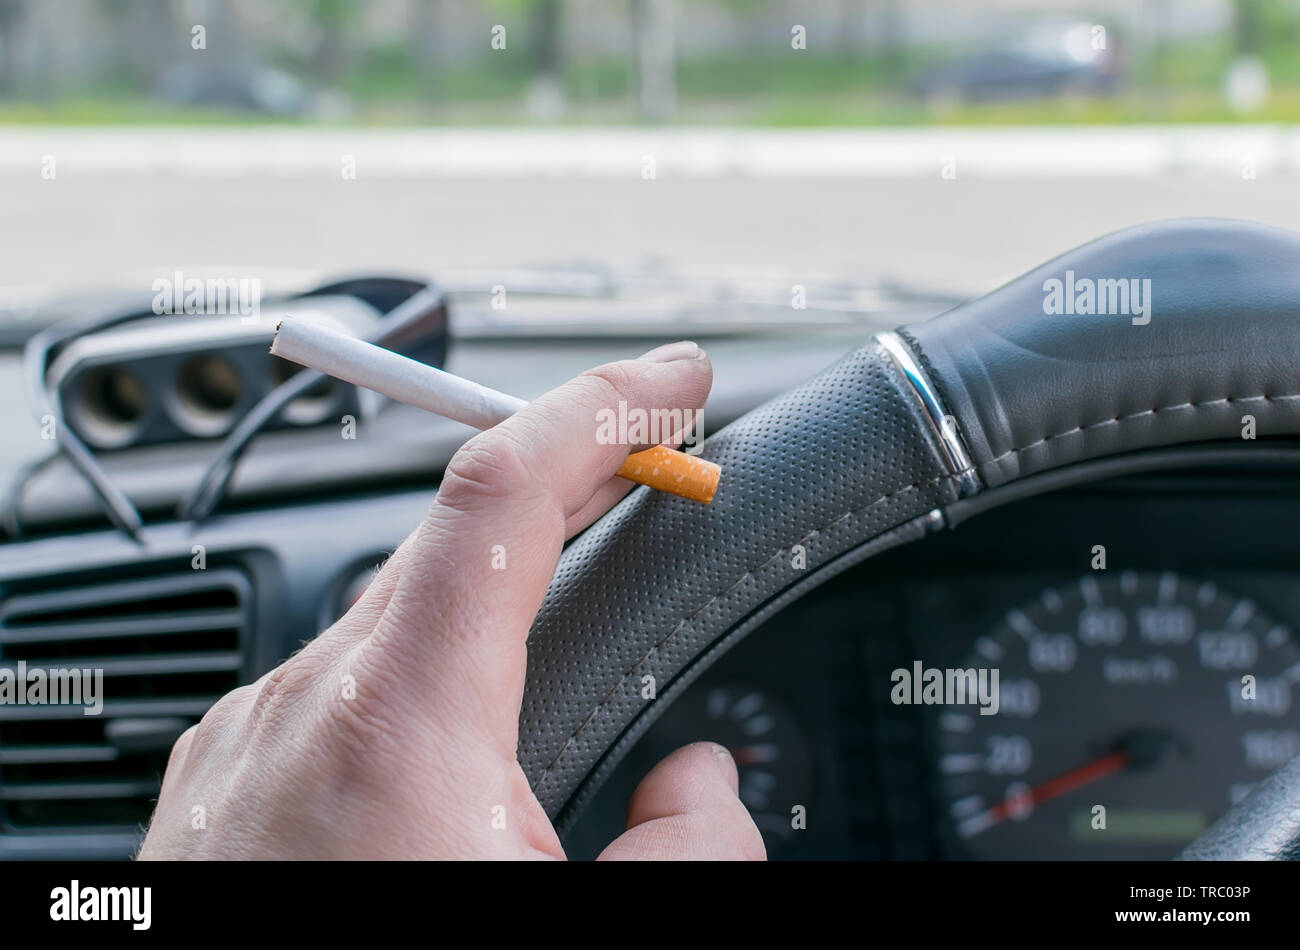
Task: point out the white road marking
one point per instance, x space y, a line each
1135 153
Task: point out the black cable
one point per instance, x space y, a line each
119 509
207 493
11 519
212 485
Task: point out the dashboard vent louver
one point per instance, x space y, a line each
169 645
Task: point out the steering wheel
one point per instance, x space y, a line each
1144 349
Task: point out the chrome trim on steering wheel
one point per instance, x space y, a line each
942 423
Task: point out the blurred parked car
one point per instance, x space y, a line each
258 89
1045 61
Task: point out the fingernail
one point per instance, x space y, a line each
671 352
726 765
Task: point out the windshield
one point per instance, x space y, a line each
926 148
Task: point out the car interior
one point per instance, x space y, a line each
1210 542
1003 310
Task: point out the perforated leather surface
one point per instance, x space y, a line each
838 460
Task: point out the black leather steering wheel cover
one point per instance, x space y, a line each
849 464
1034 391
839 460
1215 456
910 531
1264 826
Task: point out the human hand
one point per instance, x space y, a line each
393 733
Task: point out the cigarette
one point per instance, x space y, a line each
453 397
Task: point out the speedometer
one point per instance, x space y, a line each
1132 711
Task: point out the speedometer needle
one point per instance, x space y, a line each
1138 749
1071 780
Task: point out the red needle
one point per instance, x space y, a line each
1068 782
754 754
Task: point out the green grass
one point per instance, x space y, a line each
85 110
1177 84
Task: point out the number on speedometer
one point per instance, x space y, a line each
1133 711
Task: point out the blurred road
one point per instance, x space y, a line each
113 223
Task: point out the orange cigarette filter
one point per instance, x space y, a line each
406 380
668 470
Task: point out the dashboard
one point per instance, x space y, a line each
1123 619
1097 673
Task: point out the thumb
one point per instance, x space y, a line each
687 809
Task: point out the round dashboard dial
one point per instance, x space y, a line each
1132 711
771 752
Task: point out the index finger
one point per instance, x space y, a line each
475 571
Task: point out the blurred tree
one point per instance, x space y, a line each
547 45
425 17
1260 25
336 20
12 16
1247 22
655 59
545 39
891 36
144 39
851 28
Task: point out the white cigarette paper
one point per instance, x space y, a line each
427 387
391 374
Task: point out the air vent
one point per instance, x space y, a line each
169 646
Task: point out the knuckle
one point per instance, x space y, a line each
362 728
365 728
488 466
216 726
226 711
181 747
280 690
619 379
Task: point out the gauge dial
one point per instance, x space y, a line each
771 752
1133 710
